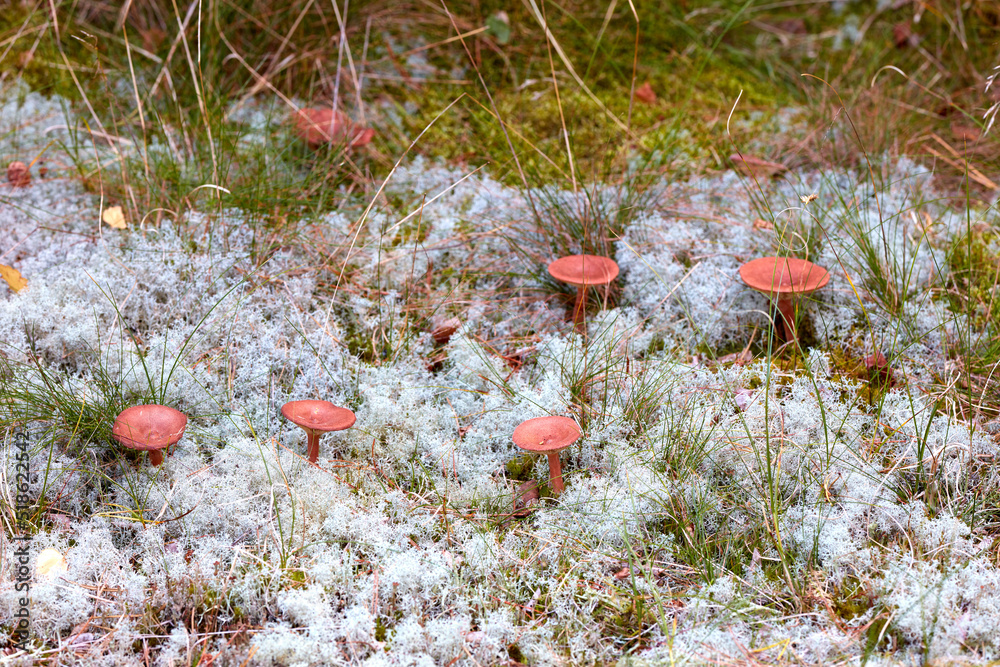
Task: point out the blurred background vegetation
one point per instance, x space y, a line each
610 89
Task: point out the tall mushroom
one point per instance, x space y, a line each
149 428
549 436
784 279
315 417
583 271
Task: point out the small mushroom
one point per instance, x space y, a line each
548 435
785 279
583 271
18 174
149 428
315 417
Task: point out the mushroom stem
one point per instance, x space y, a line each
555 473
786 308
155 457
580 307
313 445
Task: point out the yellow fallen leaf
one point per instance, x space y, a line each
13 277
50 564
114 217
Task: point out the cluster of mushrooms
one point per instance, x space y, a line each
153 428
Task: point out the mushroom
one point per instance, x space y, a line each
548 435
18 175
329 126
785 279
315 417
149 428
582 271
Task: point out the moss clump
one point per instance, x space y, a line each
520 468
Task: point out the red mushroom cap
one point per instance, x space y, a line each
318 416
546 434
149 427
783 276
584 270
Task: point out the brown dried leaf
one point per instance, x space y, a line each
902 35
13 277
18 174
761 223
792 26
113 216
965 133
444 329
525 496
645 93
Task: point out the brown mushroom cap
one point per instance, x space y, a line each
149 427
783 276
318 416
584 270
546 434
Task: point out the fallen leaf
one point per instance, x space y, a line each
645 93
18 174
756 167
805 199
328 126
525 496
792 26
761 223
498 25
50 564
444 329
114 217
13 277
964 133
902 35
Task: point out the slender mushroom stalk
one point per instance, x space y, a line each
786 280
583 271
549 436
149 428
316 417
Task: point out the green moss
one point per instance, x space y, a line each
973 262
520 468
